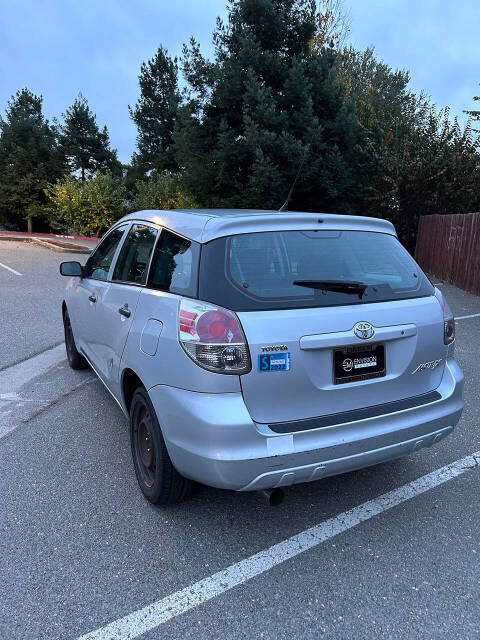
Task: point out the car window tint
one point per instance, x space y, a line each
174 265
257 270
132 262
98 265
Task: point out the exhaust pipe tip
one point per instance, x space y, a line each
274 496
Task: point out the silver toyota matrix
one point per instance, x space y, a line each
253 350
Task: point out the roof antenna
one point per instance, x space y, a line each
284 206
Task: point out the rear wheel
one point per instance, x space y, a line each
159 481
75 359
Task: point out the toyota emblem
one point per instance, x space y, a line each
364 330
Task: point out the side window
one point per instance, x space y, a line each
98 265
134 256
175 265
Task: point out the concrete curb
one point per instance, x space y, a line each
49 244
14 238
53 236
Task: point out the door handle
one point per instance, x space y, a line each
92 298
125 311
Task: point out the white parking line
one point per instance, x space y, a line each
161 611
10 269
472 315
13 378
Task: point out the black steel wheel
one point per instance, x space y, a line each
144 446
75 359
159 481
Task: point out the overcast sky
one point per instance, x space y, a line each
61 47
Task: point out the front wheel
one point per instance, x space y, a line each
159 481
75 359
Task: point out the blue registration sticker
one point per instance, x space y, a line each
274 361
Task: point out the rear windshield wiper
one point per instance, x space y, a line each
339 286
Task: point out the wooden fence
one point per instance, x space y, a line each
448 247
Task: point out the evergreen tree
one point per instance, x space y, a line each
29 159
155 114
86 147
265 106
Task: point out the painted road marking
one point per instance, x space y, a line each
28 383
472 315
13 378
10 269
139 622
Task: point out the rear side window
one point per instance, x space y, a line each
175 265
98 265
132 262
272 270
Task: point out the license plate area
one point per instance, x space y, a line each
362 362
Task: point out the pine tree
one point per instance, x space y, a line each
267 105
29 159
155 114
86 147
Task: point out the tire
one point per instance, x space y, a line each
159 481
75 359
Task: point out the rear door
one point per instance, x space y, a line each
316 351
118 302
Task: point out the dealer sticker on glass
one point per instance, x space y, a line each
274 361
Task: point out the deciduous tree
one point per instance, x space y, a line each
414 159
474 114
332 25
163 191
88 207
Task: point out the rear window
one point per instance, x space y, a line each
256 271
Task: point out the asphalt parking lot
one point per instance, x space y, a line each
82 554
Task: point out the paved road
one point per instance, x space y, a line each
81 548
30 309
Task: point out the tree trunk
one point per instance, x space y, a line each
29 225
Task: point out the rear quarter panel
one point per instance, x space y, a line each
170 365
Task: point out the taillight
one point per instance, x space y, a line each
449 331
448 319
213 337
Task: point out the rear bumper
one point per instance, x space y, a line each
211 438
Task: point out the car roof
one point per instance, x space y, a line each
203 225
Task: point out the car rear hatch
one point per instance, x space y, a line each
410 332
319 348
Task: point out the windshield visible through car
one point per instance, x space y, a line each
287 269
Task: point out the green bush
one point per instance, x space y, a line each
87 208
162 191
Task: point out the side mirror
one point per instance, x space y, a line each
71 269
